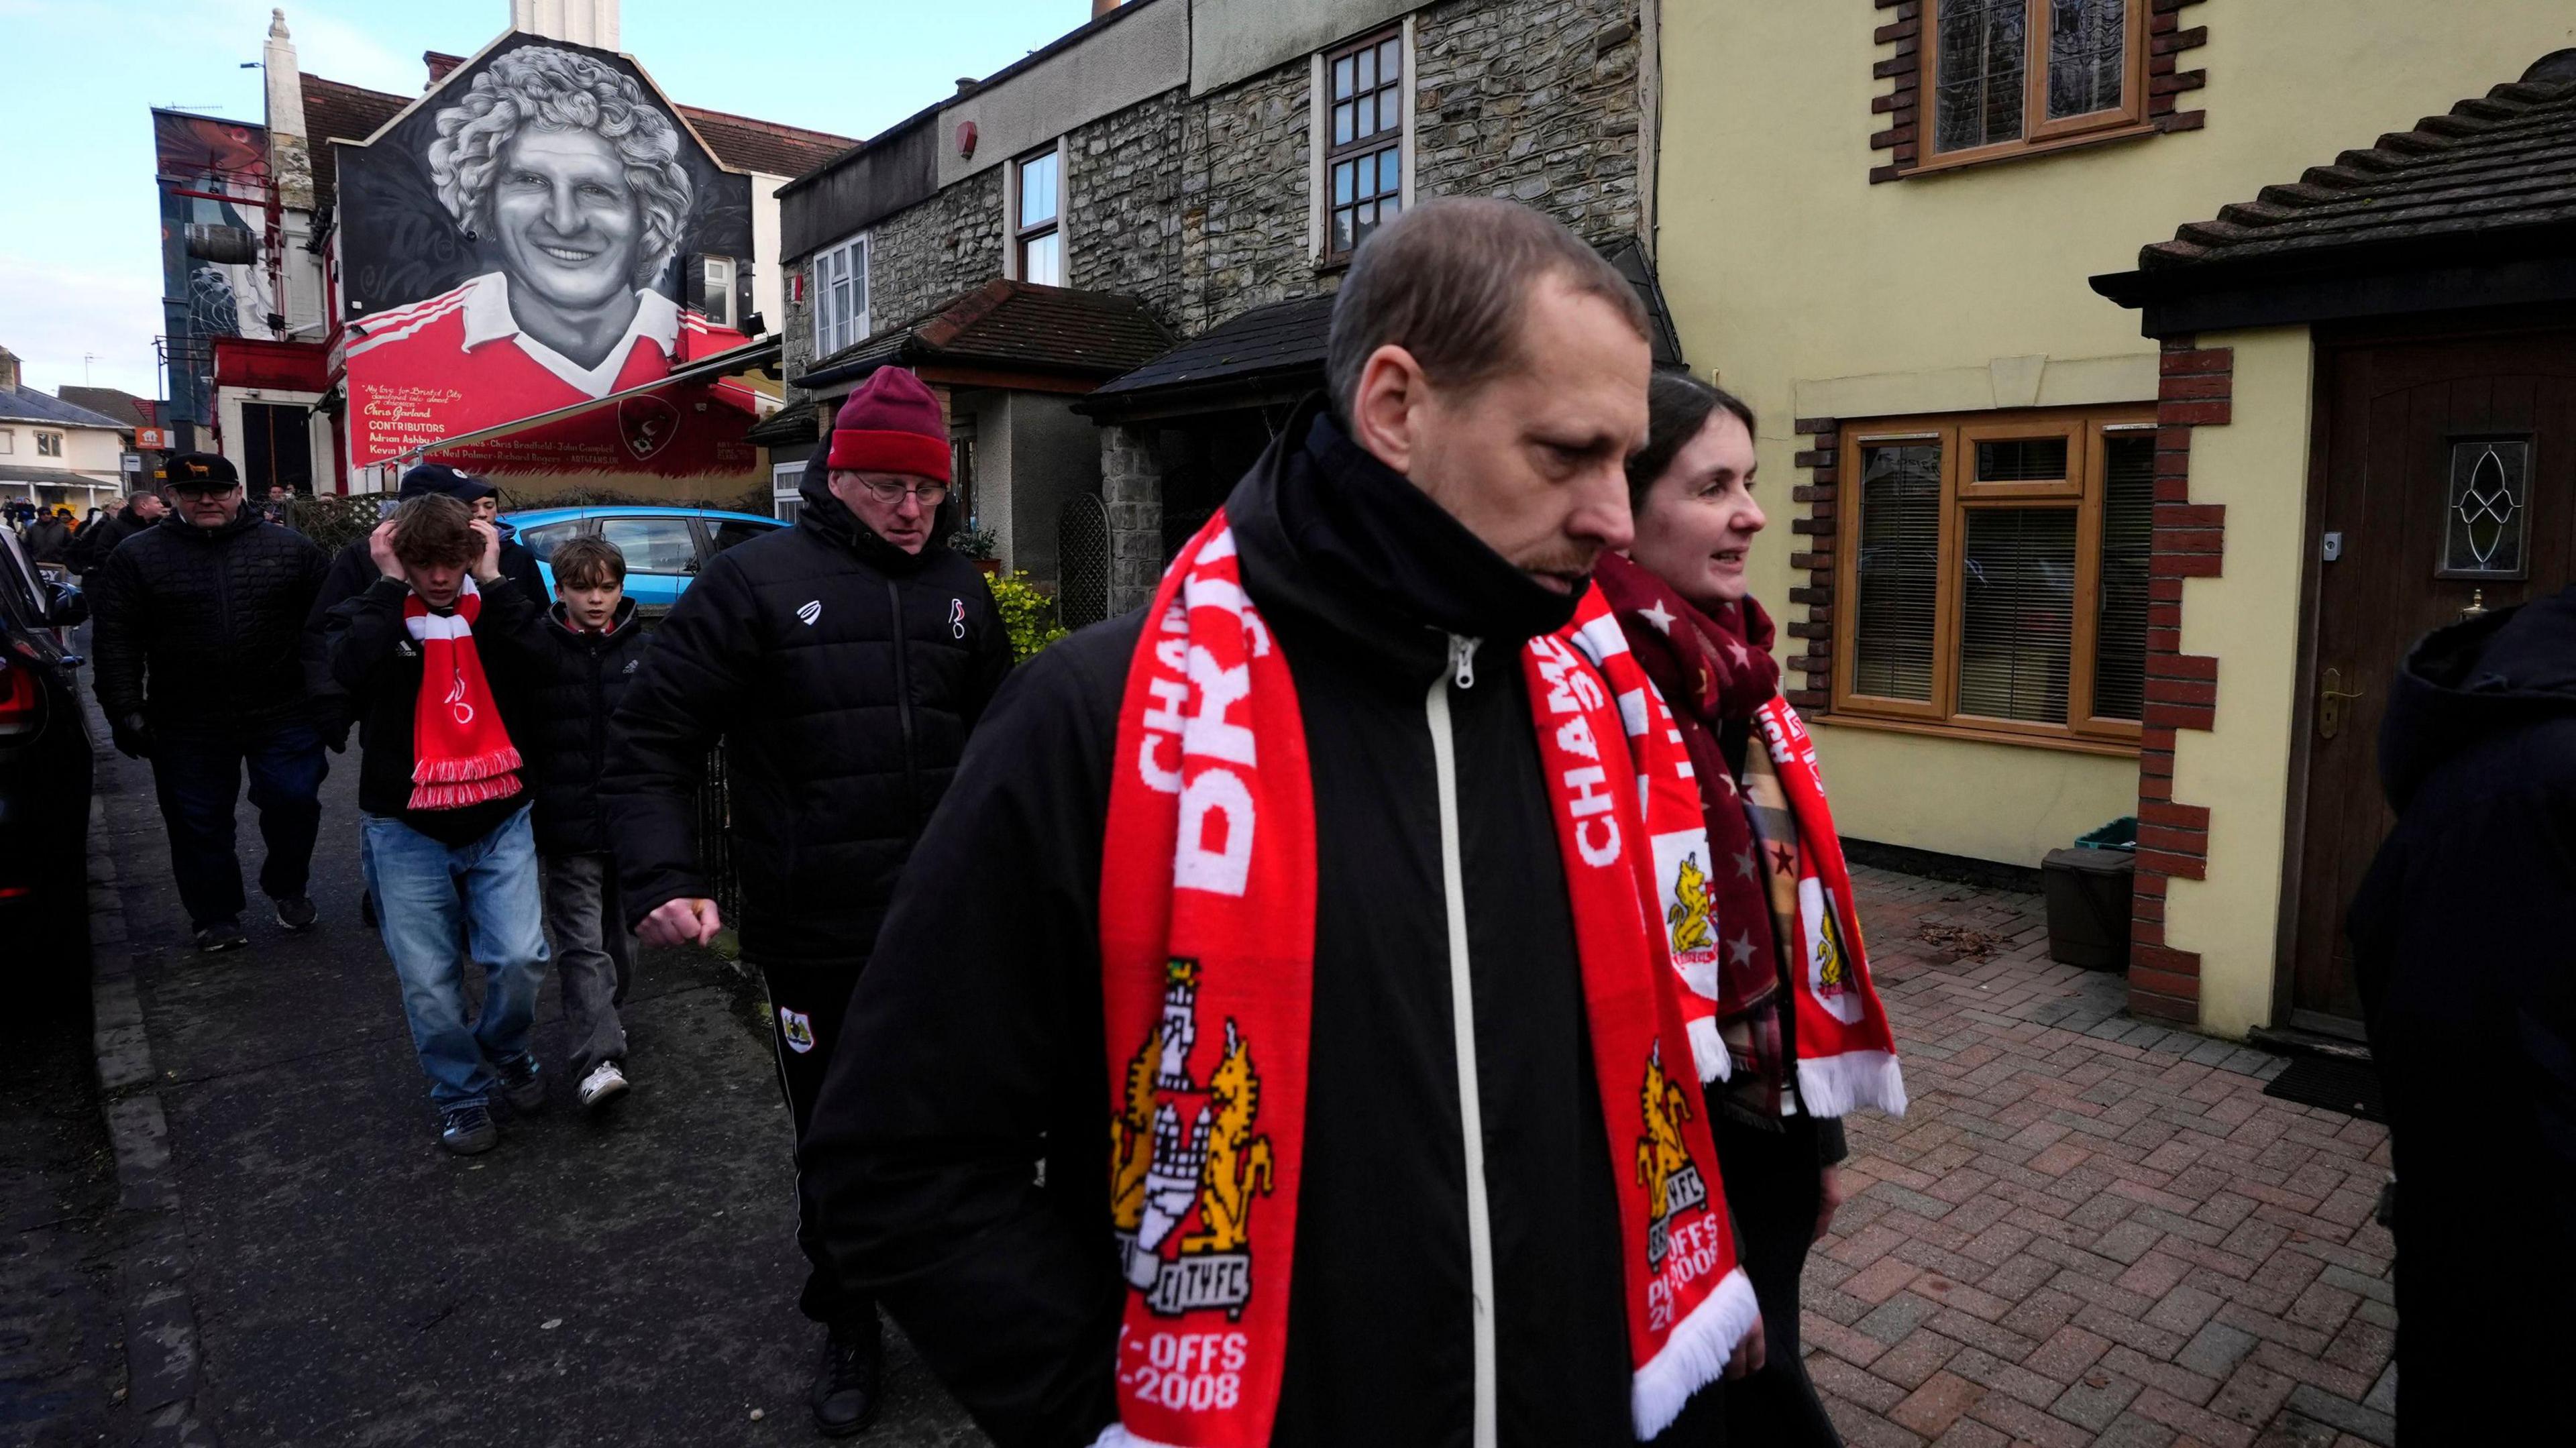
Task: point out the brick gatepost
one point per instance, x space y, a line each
2193 390
1815 530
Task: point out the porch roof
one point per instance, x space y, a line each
2476 207
1276 353
1006 332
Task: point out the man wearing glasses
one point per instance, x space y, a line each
842 662
200 617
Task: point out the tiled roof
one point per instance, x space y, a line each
2503 161
26 404
352 113
1012 325
130 410
1280 341
333 111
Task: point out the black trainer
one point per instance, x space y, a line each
297 913
845 1397
221 935
467 1130
523 1087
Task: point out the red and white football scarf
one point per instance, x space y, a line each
1846 1053
460 752
1207 989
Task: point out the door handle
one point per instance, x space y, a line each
2331 697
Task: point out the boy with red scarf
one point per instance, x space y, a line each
447 847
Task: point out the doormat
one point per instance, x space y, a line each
2351 1087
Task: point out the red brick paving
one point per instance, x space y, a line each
2088 1229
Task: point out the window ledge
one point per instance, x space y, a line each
2062 743
1995 157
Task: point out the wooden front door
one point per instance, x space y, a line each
2445 472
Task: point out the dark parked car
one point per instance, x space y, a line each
44 781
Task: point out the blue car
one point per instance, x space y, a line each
664 547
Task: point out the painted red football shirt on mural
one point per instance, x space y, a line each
458 363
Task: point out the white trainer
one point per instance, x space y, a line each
604 1084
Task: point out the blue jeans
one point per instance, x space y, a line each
198 777
485 894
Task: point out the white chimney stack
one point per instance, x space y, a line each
582 22
290 157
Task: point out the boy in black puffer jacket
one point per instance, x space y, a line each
573 665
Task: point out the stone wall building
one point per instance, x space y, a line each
1209 164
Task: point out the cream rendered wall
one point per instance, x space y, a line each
1811 292
2248 618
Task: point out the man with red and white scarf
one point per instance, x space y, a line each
447 847
1324 885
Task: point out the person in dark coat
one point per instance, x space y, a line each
843 662
47 538
1691 488
2461 943
353 572
575 661
98 538
198 640
1403 544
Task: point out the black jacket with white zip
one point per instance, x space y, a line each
843 675
975 1047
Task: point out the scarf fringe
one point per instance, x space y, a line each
1841 1085
1117 1436
468 768
1694 1356
458 796
1708 1050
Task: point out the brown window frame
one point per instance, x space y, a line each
1385 138
2086 431
2038 133
1021 232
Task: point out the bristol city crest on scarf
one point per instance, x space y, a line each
461 753
1207 980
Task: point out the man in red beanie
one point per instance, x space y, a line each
842 663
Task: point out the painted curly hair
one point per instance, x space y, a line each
556 90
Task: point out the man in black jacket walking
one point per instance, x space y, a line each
198 638
842 662
2460 940
1488 377
143 508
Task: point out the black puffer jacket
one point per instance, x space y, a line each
975 1044
353 571
202 628
48 540
843 674
568 682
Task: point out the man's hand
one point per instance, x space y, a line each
488 566
1747 1358
380 547
675 921
133 736
1829 1199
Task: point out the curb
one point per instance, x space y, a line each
160 1318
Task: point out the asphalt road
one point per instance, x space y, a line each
628 1280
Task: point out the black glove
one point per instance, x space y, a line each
133 736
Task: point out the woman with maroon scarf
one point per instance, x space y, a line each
1680 597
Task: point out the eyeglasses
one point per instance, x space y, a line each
893 494
203 489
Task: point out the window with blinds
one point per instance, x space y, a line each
1994 572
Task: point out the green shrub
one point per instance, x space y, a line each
1028 612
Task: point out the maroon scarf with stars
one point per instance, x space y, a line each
1776 864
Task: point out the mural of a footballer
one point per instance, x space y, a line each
568 180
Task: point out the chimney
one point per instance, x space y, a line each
439 63
8 370
1103 7
290 157
582 22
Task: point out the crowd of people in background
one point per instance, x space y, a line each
1433 878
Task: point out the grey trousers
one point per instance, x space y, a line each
592 955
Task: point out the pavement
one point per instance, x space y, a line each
2089 1229
2086 1229
326 1274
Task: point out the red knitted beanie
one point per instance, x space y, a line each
890 425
